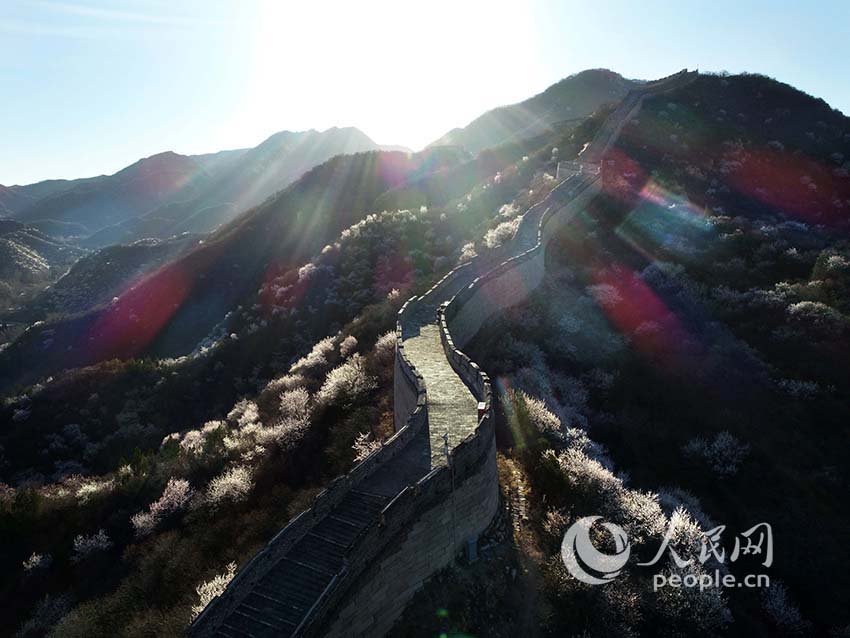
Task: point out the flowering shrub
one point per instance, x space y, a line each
86 545
295 405
91 488
210 589
37 561
232 486
724 453
317 360
781 609
383 353
47 613
556 523
594 488
193 442
702 610
605 295
815 312
243 414
364 445
286 382
673 498
799 389
467 252
174 498
346 383
502 233
348 346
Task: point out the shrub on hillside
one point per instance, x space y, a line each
212 588
346 383
84 546
232 486
174 498
724 453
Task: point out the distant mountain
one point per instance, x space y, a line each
572 98
30 259
170 193
96 203
169 311
13 199
97 278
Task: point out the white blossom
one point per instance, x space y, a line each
37 561
210 589
346 383
86 545
501 233
724 453
364 445
232 485
348 346
174 498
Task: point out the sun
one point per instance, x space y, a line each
403 73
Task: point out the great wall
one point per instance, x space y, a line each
349 564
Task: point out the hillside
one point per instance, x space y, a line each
29 260
691 340
98 277
571 99
166 194
131 191
170 311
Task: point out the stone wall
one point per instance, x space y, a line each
408 387
514 280
427 524
454 508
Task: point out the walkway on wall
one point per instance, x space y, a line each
284 587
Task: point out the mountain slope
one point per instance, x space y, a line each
574 97
29 259
170 193
131 191
97 278
170 311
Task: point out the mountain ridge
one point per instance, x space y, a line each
120 201
539 113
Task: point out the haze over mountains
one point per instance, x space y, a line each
168 193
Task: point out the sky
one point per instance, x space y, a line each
90 86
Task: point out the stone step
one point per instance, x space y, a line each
249 625
360 508
288 594
317 552
277 613
296 579
226 631
337 530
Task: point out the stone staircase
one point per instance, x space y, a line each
444 438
